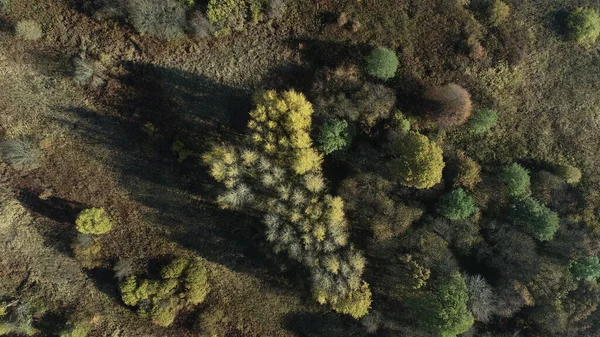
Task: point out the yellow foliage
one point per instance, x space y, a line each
336 210
319 233
314 182
249 157
356 304
307 160
301 140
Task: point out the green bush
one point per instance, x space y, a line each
382 63
163 314
334 135
498 12
587 268
516 180
583 26
196 283
457 205
174 268
535 218
164 19
482 121
419 162
571 174
93 221
20 154
28 30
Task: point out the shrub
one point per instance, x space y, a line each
86 250
516 180
498 12
469 172
334 135
457 205
587 268
174 268
419 161
196 283
382 63
163 314
449 105
93 221
481 298
571 174
227 14
482 121
535 218
164 19
199 26
20 154
28 30
583 26
123 268
88 72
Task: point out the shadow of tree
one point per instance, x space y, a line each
318 325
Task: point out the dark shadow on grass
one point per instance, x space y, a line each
319 325
180 196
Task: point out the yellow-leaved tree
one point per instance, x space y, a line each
278 171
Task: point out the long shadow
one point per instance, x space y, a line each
320 325
180 196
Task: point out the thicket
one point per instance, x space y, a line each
183 283
278 171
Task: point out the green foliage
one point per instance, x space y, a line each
457 205
21 154
196 283
334 135
516 180
163 313
401 122
419 162
482 121
183 283
571 174
93 221
454 317
357 304
234 14
583 26
164 19
382 63
174 268
587 268
535 218
498 12
28 30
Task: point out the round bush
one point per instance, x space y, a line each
587 268
334 135
93 221
571 174
457 205
382 63
449 105
516 179
535 218
482 121
583 26
419 162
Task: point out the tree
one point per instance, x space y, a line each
93 221
382 63
419 162
457 205
334 135
482 121
449 105
469 172
516 180
481 298
583 26
587 268
535 218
